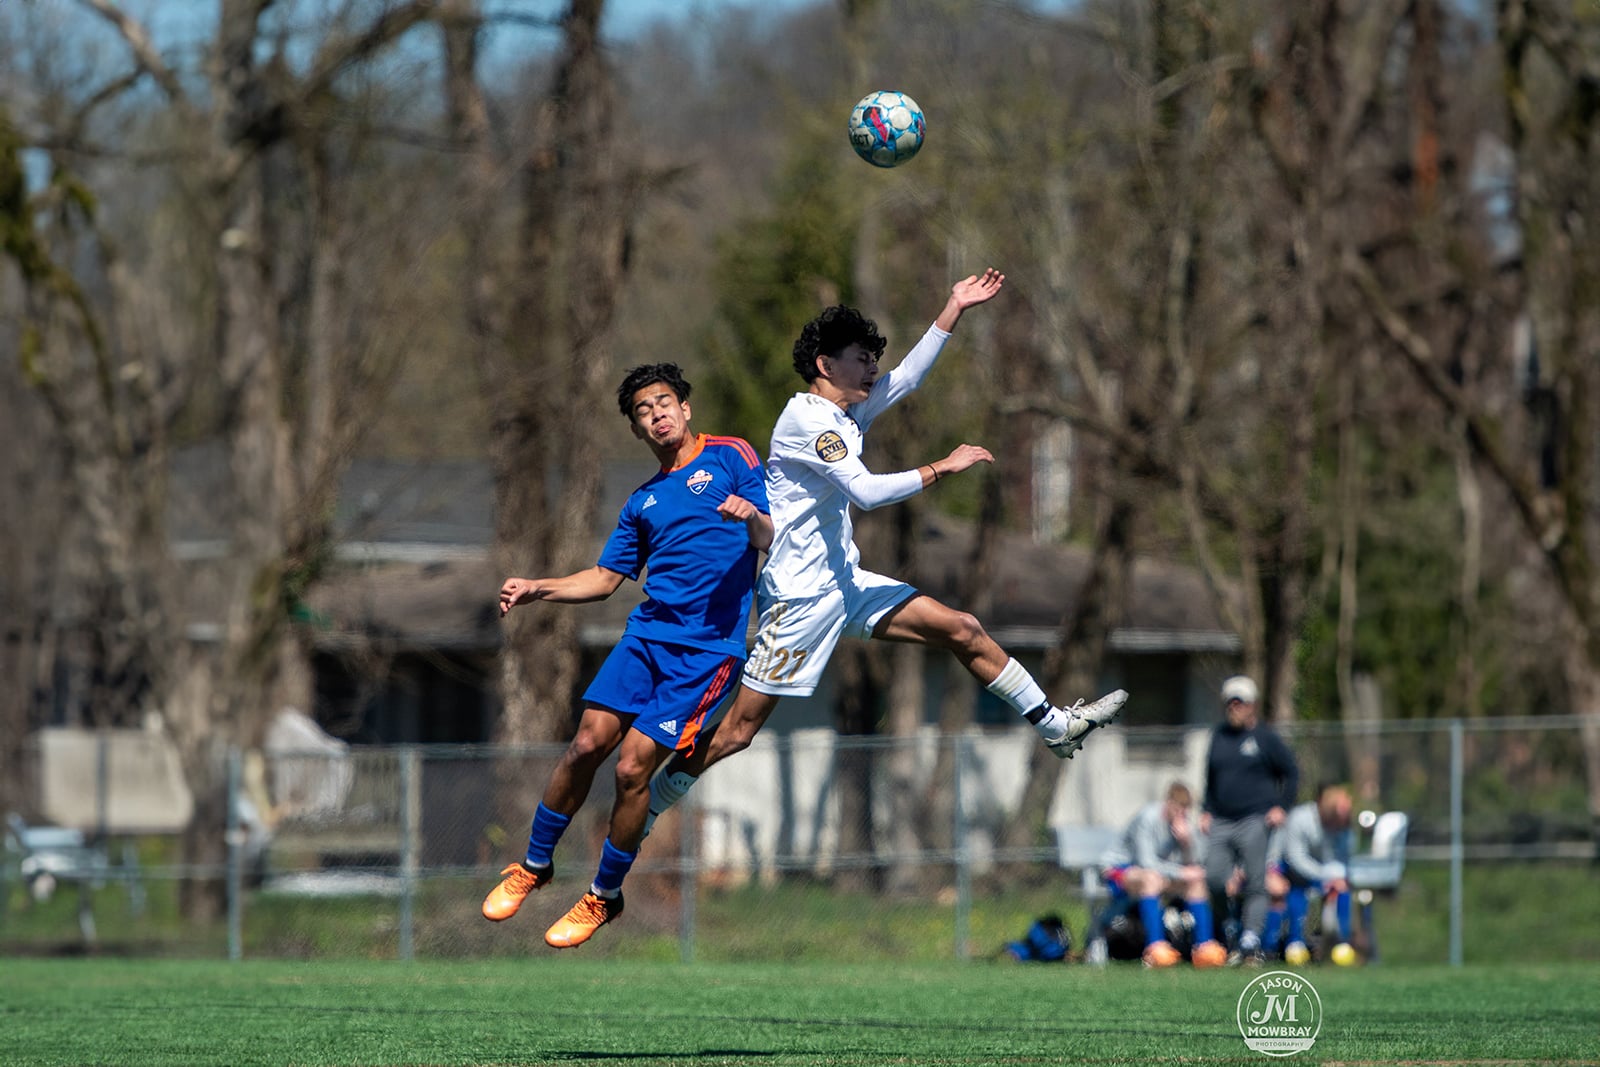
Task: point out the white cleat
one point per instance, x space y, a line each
1083 719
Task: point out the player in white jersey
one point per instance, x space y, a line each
813 590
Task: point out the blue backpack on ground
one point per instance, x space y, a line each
1047 941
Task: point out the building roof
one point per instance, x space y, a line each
450 603
416 537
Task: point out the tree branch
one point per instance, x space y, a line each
1547 532
337 56
144 52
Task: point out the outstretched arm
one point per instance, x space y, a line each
904 379
867 490
596 583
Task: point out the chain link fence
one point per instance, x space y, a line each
807 845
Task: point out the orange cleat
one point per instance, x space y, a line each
516 882
1208 954
1161 954
588 915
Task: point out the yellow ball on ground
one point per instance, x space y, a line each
1296 955
1343 955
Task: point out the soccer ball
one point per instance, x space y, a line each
886 128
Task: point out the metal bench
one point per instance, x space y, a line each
1378 869
47 856
1080 848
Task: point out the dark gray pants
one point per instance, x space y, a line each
1239 843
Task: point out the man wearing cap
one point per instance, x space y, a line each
1251 779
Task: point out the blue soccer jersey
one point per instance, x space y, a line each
701 567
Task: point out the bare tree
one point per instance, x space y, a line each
1542 450
271 366
542 332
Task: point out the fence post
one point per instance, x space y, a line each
1456 846
102 789
410 842
234 839
963 927
689 869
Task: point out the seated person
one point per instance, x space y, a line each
1308 855
1157 852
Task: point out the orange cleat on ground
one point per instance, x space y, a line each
1208 954
1161 954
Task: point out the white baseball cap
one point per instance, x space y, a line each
1240 688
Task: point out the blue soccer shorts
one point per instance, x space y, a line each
669 690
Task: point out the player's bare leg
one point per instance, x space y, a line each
637 758
924 620
599 733
745 718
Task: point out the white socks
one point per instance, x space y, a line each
665 791
1016 687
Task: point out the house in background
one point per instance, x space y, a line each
406 628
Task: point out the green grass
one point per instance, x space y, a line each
1528 912
572 1009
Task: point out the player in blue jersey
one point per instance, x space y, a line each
814 590
697 526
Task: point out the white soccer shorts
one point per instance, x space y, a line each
796 638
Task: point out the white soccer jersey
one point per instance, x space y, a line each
814 474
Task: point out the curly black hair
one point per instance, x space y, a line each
830 333
668 374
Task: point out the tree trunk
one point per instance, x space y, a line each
935 815
856 715
1073 666
1583 684
577 206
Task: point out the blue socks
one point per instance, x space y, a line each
547 830
1150 914
1272 937
1297 905
1203 929
1288 924
614 865
548 826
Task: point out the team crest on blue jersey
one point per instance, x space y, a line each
831 447
698 481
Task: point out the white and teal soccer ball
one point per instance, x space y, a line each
886 128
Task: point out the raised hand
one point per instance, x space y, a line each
975 288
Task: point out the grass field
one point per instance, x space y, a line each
791 921
550 1009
